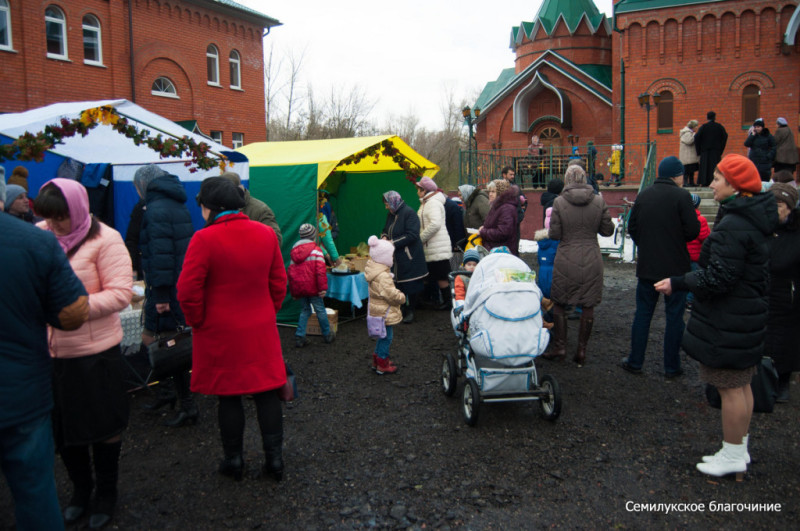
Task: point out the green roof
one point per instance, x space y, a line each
264 19
602 73
572 11
493 88
625 6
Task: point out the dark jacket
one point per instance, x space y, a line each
37 283
662 221
166 231
132 237
710 137
257 210
762 149
501 226
477 208
783 335
785 149
729 315
402 228
454 221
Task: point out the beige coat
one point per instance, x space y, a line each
688 154
383 294
433 231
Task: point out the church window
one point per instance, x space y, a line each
665 112
751 99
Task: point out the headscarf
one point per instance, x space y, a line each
466 191
394 200
78 205
144 176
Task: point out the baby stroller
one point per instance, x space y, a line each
499 330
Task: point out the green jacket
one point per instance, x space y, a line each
257 210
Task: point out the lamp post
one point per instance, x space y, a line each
573 139
644 102
470 118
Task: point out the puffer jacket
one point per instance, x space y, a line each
307 275
614 162
578 216
433 231
476 209
729 315
762 149
783 336
785 149
382 293
103 265
500 227
688 154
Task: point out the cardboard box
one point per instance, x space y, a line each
312 329
359 263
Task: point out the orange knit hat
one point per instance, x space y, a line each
740 172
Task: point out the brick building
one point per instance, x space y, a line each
739 58
200 62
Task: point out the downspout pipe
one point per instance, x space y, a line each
130 44
621 101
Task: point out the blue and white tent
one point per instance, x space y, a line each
103 148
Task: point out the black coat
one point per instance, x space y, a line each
402 228
783 334
762 150
166 231
710 137
132 237
663 219
454 221
729 315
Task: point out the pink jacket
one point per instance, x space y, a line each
104 267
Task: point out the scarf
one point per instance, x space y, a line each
78 205
394 200
466 191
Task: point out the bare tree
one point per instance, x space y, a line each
347 112
272 85
295 64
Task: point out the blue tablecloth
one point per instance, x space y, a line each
348 288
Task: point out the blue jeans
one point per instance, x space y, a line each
27 457
305 313
383 344
646 299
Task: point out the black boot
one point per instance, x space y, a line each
189 412
784 381
79 469
166 396
446 298
106 467
273 451
408 309
233 464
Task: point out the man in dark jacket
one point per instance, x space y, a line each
662 221
255 209
709 141
762 149
39 288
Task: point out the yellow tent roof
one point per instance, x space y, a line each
328 155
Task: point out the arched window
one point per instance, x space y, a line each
751 104
5 26
56 32
212 60
550 136
92 41
162 86
236 71
665 112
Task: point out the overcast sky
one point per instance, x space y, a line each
403 55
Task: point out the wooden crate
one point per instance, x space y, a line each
313 329
359 263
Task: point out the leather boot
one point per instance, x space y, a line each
583 338
729 460
79 469
166 396
273 452
233 464
447 299
188 412
558 349
106 467
408 310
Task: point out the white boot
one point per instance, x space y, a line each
745 439
729 460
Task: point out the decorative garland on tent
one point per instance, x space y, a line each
387 149
31 146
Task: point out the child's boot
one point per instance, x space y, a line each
385 366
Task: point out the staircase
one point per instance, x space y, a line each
708 207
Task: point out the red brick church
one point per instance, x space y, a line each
578 75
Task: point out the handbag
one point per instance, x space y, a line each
288 392
376 326
764 386
170 353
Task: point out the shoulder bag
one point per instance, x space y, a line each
376 326
171 352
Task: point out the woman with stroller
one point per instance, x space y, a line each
725 332
578 216
402 229
501 227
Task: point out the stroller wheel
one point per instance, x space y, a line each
449 375
471 402
550 400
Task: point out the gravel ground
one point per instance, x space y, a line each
365 451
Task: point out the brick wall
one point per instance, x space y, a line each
170 39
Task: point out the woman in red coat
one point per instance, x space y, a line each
230 289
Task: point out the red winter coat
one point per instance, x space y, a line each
307 274
695 245
232 284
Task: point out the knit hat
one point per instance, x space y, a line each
233 177
427 184
696 200
145 175
307 231
786 193
2 184
218 194
501 185
740 172
759 121
574 149
19 176
670 168
471 255
381 251
13 191
782 121
783 176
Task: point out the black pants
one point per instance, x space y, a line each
231 419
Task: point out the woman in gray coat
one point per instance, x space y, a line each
785 149
578 216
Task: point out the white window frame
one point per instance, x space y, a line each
215 56
235 62
237 140
93 27
62 22
164 93
216 136
5 13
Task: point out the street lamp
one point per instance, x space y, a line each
644 102
470 118
573 139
